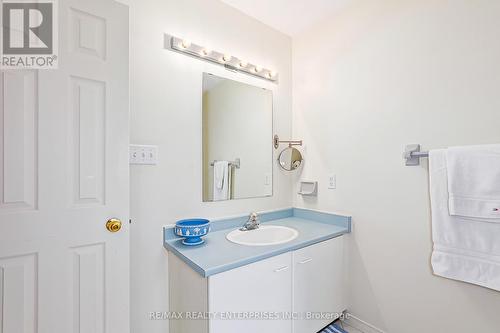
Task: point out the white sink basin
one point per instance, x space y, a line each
264 235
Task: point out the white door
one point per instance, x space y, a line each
263 289
318 285
63 174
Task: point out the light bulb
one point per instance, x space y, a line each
257 69
205 52
243 64
227 57
272 74
185 43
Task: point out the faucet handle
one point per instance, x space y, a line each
252 223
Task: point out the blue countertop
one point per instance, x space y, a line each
218 254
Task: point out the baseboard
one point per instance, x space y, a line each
360 325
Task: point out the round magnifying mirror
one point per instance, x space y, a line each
290 159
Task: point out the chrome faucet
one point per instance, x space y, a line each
252 223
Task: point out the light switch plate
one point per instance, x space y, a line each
143 154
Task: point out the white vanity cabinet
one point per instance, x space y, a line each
305 281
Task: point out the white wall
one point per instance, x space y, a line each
375 77
166 111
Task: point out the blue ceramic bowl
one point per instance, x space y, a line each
192 230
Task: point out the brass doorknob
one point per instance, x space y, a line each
113 225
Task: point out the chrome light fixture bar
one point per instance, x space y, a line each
228 61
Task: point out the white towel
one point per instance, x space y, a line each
464 249
222 181
474 182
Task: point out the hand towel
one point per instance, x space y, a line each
474 182
464 249
221 181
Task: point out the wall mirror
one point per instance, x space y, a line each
237 140
290 159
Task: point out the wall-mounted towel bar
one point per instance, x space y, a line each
413 154
236 163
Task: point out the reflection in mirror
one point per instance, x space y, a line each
290 159
237 140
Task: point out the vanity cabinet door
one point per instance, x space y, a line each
262 288
318 284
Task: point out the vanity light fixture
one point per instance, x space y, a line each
185 44
232 63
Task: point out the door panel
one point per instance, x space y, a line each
18 283
88 113
63 174
88 286
318 284
18 149
262 287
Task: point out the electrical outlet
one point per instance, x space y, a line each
332 181
142 154
268 177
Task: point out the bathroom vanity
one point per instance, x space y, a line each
225 287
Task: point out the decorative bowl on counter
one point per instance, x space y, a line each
192 230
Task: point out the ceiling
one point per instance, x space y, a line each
288 16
